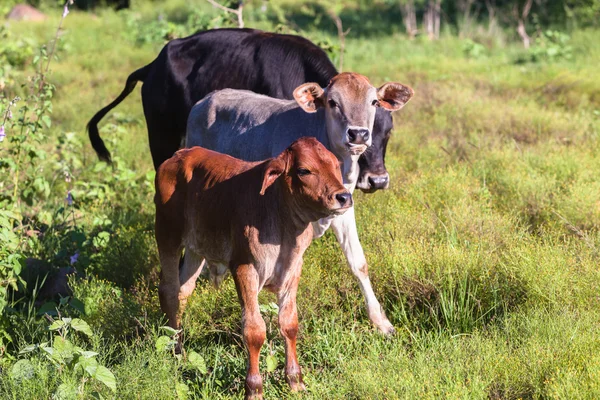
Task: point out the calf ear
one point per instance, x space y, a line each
309 96
273 170
393 96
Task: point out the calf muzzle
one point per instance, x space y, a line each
345 199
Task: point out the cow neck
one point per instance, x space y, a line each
317 127
350 172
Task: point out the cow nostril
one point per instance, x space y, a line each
343 198
378 182
351 135
358 136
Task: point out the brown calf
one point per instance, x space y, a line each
252 219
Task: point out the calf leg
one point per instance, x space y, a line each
288 325
168 239
188 275
254 330
168 288
344 227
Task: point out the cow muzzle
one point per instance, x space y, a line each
358 136
370 183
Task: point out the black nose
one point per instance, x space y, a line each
379 182
358 136
345 199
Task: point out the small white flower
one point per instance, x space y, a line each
66 10
2 134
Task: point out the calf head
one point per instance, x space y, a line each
311 180
350 102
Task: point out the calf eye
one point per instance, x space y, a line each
303 172
332 104
375 103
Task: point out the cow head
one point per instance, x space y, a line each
350 103
373 175
312 180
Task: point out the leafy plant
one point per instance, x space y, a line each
66 358
472 49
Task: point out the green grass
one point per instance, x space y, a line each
484 251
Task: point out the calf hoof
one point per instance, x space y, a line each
296 383
254 387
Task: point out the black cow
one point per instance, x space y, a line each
188 69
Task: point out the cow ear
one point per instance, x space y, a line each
393 96
273 170
309 96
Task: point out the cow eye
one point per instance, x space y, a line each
332 104
375 103
303 172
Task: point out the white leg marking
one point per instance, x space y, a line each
344 227
192 266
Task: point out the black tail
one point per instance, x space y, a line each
92 126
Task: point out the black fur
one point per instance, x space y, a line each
188 69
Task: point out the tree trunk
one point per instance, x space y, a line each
521 18
428 20
409 16
464 6
491 7
436 18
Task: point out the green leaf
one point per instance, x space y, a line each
163 343
170 331
56 325
104 375
28 349
271 363
64 351
182 390
65 391
89 365
82 326
89 354
22 369
48 308
47 121
77 305
197 361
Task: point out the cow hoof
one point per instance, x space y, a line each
387 329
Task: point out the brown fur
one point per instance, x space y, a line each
254 218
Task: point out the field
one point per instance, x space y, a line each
484 251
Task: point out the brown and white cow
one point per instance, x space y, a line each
252 219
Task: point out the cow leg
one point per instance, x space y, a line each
254 330
288 326
344 227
